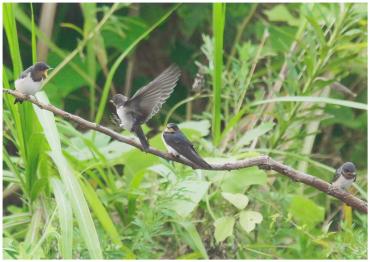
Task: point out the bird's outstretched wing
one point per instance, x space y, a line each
183 146
149 99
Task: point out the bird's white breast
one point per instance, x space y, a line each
343 183
27 86
127 121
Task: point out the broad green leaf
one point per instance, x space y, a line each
240 201
202 127
249 219
305 211
189 194
164 171
237 181
224 227
254 133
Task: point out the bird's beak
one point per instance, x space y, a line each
111 101
46 73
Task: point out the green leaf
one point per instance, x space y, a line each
73 188
237 181
317 29
104 218
195 238
305 211
254 133
218 22
313 99
249 219
201 127
240 201
190 193
65 217
224 227
280 13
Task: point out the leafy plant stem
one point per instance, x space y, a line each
257 57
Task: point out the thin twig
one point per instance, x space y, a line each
263 162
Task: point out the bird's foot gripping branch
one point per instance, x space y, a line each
263 162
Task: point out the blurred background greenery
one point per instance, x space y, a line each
73 193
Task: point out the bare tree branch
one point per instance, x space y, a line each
263 162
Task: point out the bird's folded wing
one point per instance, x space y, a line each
25 72
148 100
337 174
178 139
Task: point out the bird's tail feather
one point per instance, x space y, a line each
195 158
18 100
140 134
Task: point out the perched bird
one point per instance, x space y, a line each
145 103
30 81
178 145
345 175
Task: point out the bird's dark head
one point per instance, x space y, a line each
118 100
171 128
40 70
349 169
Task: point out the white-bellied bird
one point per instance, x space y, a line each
31 79
145 103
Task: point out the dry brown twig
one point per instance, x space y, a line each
263 162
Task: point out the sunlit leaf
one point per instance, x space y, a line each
224 227
240 201
249 219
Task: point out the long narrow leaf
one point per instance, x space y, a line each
65 217
104 218
313 99
218 31
79 205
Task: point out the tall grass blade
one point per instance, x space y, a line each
313 99
65 217
89 13
104 218
33 37
79 205
26 122
218 32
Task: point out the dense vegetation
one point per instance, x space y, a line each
288 80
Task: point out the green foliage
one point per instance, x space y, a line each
293 87
306 212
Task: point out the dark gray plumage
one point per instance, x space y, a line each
177 144
146 102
